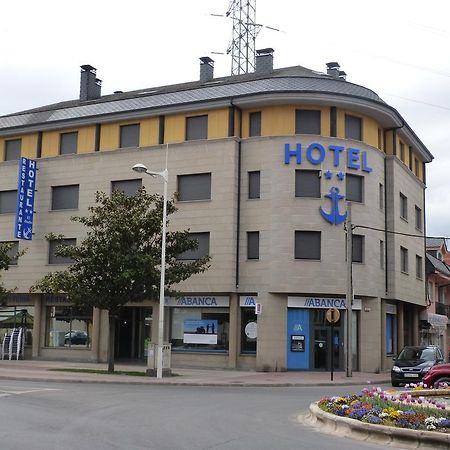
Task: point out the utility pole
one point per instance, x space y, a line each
349 296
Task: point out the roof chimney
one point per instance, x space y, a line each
264 61
333 69
342 75
90 85
206 69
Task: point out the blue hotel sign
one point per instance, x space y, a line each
25 199
315 153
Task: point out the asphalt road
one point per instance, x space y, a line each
83 416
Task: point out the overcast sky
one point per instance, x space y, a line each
398 48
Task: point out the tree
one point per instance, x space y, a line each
119 259
6 259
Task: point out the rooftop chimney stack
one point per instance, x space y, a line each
206 69
264 61
90 85
342 75
333 69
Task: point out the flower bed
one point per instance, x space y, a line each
401 410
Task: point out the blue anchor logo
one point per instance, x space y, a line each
334 217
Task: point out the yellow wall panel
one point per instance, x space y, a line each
389 142
218 123
340 125
2 149
149 132
29 146
109 136
50 144
86 140
175 129
325 121
370 131
277 121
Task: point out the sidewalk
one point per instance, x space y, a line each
41 371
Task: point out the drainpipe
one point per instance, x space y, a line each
238 206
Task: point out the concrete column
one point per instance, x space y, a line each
272 332
415 325
233 340
38 317
95 338
400 327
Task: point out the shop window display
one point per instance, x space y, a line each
199 329
14 317
68 327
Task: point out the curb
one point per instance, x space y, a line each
179 383
379 434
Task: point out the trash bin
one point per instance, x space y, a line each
152 356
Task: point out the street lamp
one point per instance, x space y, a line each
165 176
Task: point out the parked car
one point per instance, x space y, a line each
76 338
413 363
437 374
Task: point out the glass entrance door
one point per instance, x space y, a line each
133 330
325 340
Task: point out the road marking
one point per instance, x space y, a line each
13 391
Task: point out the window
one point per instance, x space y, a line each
254 180
307 183
307 245
53 244
12 252
129 135
248 327
390 327
382 255
194 187
418 218
65 197
307 122
419 269
402 151
67 326
68 143
404 259
357 248
13 149
354 186
403 207
410 159
255 124
17 316
196 128
128 187
353 128
252 244
218 320
202 249
8 201
381 196
416 167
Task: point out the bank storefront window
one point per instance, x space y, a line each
68 327
199 324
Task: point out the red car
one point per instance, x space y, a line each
437 374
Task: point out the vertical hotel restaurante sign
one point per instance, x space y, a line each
25 199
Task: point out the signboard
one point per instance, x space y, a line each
202 301
322 303
25 199
251 330
247 300
333 315
298 343
342 159
200 332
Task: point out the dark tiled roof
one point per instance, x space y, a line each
439 265
290 79
436 242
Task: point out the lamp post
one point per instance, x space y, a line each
165 176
